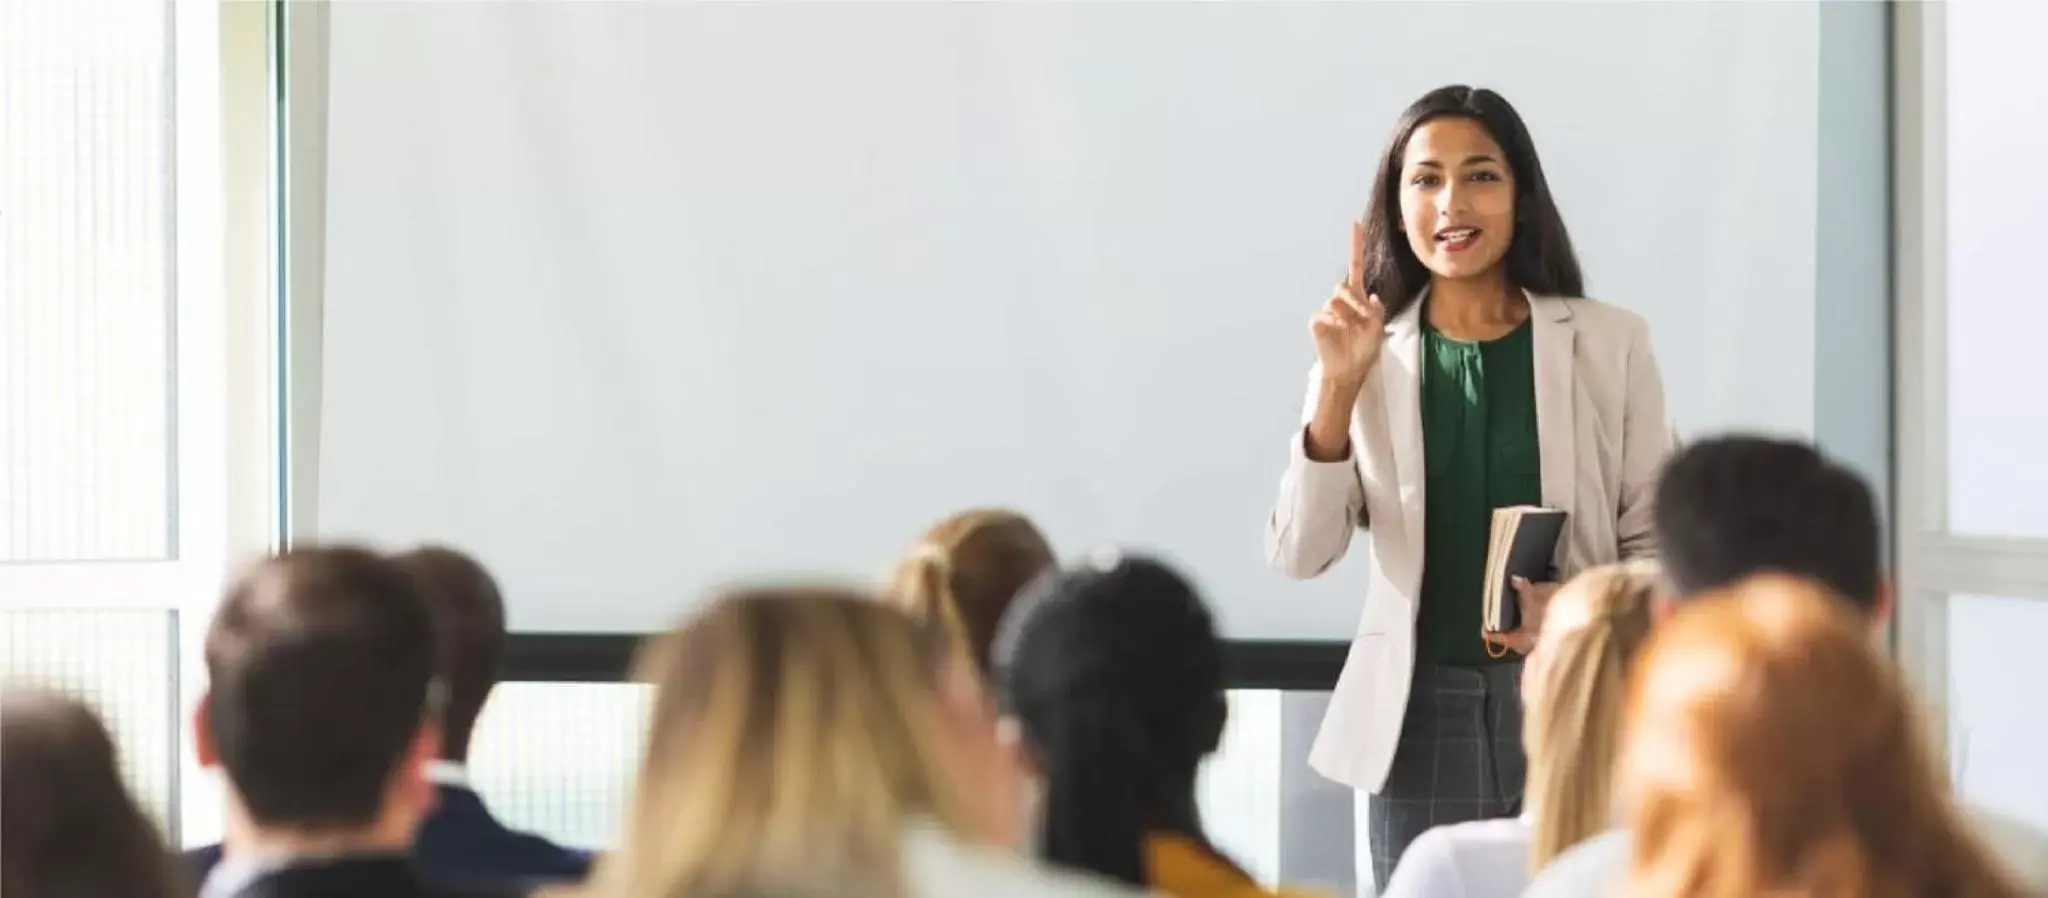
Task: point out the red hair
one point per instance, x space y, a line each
1771 751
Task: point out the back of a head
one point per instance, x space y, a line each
320 662
966 571
469 635
1576 683
68 826
1115 672
1770 749
795 734
1732 507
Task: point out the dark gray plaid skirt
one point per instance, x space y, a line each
1459 758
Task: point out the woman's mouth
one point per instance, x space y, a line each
1457 239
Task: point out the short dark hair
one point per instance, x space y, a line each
1115 672
1539 260
469 635
321 661
68 826
1734 506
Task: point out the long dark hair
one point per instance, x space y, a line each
1116 674
1540 260
68 827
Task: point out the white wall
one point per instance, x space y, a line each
636 298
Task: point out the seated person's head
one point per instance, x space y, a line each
1115 673
1768 749
1732 507
68 827
1574 685
469 636
320 663
966 570
797 734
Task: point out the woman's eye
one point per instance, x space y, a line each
1486 176
1424 181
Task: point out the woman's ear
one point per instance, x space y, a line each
1010 735
207 753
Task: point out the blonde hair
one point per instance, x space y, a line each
963 574
795 734
1770 750
1572 730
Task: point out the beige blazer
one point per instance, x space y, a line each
1602 434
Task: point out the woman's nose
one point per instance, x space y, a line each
1451 199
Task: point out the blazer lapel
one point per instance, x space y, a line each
1554 340
1400 377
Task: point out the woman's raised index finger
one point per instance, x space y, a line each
1356 277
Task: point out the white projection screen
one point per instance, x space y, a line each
635 300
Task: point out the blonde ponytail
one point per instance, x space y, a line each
1572 728
923 587
962 575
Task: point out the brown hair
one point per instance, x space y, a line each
962 576
68 827
319 661
1540 260
1578 680
1770 750
469 635
796 733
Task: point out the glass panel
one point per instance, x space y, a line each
560 758
121 663
1997 113
1996 729
85 240
1239 792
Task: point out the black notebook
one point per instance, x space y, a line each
1523 541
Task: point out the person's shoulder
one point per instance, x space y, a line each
1476 857
2018 844
441 891
463 842
199 862
1590 868
939 865
1595 316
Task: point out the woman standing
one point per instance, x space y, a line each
1458 371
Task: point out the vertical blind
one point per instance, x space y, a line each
86 382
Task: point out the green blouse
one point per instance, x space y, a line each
1479 440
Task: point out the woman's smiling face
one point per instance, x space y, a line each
1457 198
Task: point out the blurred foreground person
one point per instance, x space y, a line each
964 573
815 743
323 709
1573 687
1769 750
68 827
1114 674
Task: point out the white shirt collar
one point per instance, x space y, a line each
233 874
448 773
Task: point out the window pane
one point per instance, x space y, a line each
119 661
560 758
1996 730
1997 112
85 241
